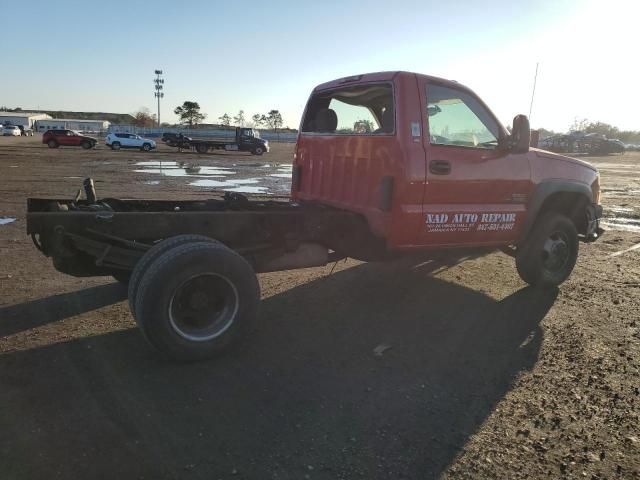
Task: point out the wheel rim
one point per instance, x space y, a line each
555 251
146 147
203 307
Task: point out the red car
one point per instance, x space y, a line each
70 138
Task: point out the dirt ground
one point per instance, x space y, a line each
485 378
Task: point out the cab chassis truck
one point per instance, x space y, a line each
439 174
245 140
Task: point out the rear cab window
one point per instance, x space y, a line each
365 109
457 118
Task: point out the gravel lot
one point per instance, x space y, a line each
485 378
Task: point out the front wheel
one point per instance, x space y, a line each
146 147
86 145
115 146
258 151
197 300
547 257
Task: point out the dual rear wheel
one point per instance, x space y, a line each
193 297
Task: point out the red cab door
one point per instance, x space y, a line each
475 192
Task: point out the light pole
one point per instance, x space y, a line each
159 85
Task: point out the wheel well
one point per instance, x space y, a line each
571 204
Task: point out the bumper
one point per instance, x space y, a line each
594 231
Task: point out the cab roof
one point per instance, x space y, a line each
377 77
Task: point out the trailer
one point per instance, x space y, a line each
245 140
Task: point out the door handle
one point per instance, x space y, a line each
440 167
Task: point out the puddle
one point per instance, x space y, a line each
6 220
275 181
246 189
181 172
626 224
617 209
210 183
14 166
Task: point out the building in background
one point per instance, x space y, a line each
72 124
26 119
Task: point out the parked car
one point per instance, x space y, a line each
25 131
10 131
129 140
68 138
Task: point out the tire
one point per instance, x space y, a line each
197 300
115 146
146 147
151 256
202 148
258 151
86 145
122 277
549 254
52 144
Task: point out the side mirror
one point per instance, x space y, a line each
520 134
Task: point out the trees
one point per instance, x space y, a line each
144 118
225 120
273 119
189 113
363 126
239 119
258 119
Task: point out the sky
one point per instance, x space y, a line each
258 56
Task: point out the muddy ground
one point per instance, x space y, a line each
485 378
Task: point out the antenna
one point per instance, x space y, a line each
535 79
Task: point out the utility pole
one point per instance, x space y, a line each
159 85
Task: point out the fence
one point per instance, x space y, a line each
285 137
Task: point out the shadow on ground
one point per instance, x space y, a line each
25 316
304 395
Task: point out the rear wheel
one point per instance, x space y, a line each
549 254
202 148
52 144
151 256
115 146
197 300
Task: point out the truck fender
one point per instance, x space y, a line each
542 192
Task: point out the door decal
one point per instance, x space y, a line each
470 222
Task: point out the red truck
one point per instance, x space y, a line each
386 164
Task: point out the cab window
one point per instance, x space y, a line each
365 109
457 118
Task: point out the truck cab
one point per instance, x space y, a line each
427 164
248 140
